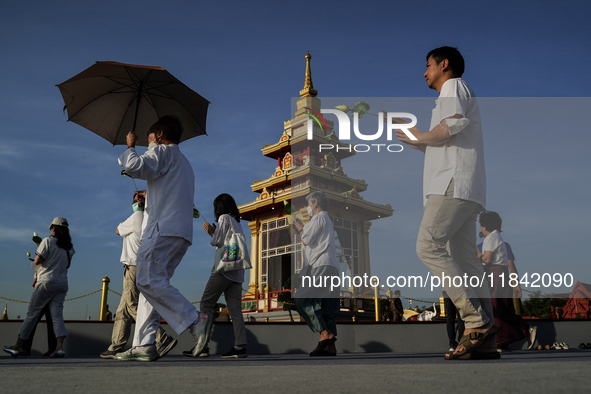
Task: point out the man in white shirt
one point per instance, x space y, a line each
454 191
126 313
167 235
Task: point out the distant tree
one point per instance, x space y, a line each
538 305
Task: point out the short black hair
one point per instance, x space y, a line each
491 221
225 204
453 56
171 126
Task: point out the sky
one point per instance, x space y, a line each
526 60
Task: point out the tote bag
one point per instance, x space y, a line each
233 255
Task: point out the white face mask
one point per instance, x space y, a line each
152 145
309 209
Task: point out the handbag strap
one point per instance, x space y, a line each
231 223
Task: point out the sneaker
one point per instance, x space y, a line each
556 346
452 349
167 346
201 332
109 354
139 353
204 353
533 333
233 353
12 352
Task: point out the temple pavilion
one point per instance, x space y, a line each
300 168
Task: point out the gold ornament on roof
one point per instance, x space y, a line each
308 90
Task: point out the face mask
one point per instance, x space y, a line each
152 145
136 207
309 209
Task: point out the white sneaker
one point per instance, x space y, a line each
201 331
139 353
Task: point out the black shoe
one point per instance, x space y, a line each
109 354
204 353
233 353
167 346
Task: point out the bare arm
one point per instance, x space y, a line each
486 257
38 260
439 135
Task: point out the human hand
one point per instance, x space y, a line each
517 293
209 228
131 139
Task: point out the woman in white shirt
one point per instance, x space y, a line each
512 327
52 262
229 282
319 305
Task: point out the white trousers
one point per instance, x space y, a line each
46 293
157 260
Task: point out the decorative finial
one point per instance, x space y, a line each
308 90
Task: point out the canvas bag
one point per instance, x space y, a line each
233 255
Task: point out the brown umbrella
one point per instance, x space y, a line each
111 99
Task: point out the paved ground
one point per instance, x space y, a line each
518 371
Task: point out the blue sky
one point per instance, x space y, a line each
247 58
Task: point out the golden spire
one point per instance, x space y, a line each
308 90
5 314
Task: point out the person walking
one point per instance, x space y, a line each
126 312
454 193
53 259
167 236
319 306
493 254
229 282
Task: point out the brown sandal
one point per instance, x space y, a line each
466 341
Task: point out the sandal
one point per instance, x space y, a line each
466 341
477 355
556 346
564 345
322 345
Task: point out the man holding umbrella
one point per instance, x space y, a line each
167 235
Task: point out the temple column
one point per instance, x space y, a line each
255 253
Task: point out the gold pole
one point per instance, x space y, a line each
267 301
442 306
106 281
376 295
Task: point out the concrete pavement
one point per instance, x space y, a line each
518 371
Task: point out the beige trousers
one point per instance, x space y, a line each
127 313
447 246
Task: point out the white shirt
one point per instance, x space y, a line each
462 157
131 231
55 262
494 243
170 189
318 235
218 238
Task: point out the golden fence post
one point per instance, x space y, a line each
441 306
267 300
106 281
376 295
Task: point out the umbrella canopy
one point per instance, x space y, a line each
111 99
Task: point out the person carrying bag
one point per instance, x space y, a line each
227 276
